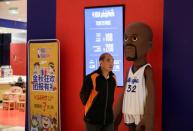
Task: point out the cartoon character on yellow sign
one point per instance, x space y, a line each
35 124
46 123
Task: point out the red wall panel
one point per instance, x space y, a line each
70 32
18 58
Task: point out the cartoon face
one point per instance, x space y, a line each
50 68
39 52
54 123
35 122
46 123
36 67
137 41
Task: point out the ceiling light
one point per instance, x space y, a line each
13 10
19 19
23 31
7 2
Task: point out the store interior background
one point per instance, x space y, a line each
171 56
13 38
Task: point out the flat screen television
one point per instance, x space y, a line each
103 32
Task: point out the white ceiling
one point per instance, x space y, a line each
22 9
18 35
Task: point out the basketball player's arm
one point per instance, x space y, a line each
148 119
86 89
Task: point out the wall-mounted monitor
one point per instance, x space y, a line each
104 27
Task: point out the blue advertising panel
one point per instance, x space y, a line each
104 33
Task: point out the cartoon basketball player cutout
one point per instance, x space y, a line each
37 68
51 69
51 72
46 123
35 124
139 98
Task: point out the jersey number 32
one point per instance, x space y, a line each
131 88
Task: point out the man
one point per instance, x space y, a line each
138 99
97 95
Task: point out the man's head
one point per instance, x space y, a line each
137 41
106 62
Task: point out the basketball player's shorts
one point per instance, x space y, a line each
132 119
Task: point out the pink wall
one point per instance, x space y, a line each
18 58
70 32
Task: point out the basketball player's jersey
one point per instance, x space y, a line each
135 93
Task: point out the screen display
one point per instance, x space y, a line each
104 33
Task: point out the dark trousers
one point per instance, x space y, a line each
93 127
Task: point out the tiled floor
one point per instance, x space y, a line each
12 117
12 120
9 128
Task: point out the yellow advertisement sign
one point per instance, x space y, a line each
44 86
